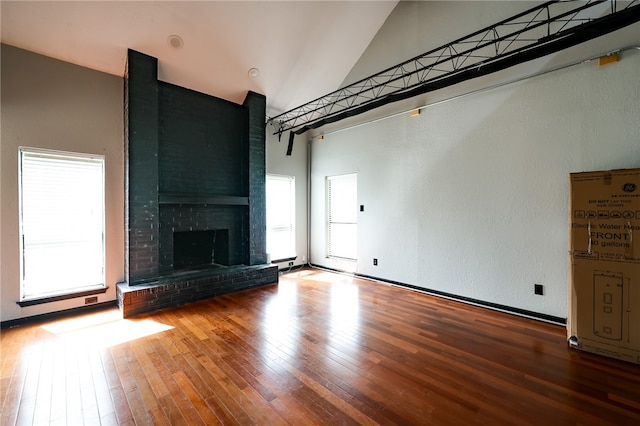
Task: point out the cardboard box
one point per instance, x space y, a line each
604 290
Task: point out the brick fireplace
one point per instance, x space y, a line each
195 208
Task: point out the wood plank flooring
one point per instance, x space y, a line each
317 349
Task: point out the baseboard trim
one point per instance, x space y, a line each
58 314
471 301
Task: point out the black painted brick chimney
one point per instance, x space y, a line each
256 104
142 170
194 163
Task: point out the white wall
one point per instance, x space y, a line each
294 165
470 197
52 104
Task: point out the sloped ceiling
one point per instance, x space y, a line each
303 49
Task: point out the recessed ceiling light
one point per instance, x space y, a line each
175 41
254 73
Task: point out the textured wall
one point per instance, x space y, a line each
56 105
470 197
294 165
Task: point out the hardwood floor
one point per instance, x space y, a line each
317 349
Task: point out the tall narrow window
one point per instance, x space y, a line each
281 217
61 222
342 203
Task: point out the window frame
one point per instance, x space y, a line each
285 255
29 297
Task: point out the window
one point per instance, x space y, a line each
281 217
61 222
342 229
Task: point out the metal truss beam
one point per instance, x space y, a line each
542 30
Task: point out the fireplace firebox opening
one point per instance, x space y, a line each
200 249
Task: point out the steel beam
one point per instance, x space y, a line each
536 32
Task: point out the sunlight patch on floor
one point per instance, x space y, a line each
329 278
299 274
104 329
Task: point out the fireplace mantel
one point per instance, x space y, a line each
221 200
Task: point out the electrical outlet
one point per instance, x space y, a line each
375 262
538 289
290 263
90 300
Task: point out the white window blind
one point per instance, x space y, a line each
281 216
61 222
342 232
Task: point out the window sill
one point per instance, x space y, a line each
58 297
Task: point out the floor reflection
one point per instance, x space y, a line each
344 313
281 331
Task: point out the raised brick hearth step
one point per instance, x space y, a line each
185 287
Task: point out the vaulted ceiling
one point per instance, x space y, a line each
302 49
